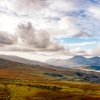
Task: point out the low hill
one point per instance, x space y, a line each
6 64
22 60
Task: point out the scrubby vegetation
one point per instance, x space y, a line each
31 82
12 89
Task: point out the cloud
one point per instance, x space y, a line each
95 11
81 34
95 51
29 5
39 39
43 8
6 38
49 19
79 51
62 5
66 22
28 38
67 25
17 48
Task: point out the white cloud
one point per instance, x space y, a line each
8 23
62 5
67 25
95 11
79 51
95 51
40 56
28 6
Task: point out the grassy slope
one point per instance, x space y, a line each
58 90
25 82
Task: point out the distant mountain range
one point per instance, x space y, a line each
74 62
77 61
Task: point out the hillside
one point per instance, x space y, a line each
22 60
77 61
34 82
24 71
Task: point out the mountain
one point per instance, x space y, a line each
77 61
34 82
72 62
6 64
60 62
16 70
95 61
22 60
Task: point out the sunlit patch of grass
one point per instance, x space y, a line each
16 89
22 92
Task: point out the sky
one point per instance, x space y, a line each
47 29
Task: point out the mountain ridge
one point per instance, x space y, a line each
77 61
22 60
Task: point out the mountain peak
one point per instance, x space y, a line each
78 57
95 57
79 60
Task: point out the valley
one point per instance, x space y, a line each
19 81
92 63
